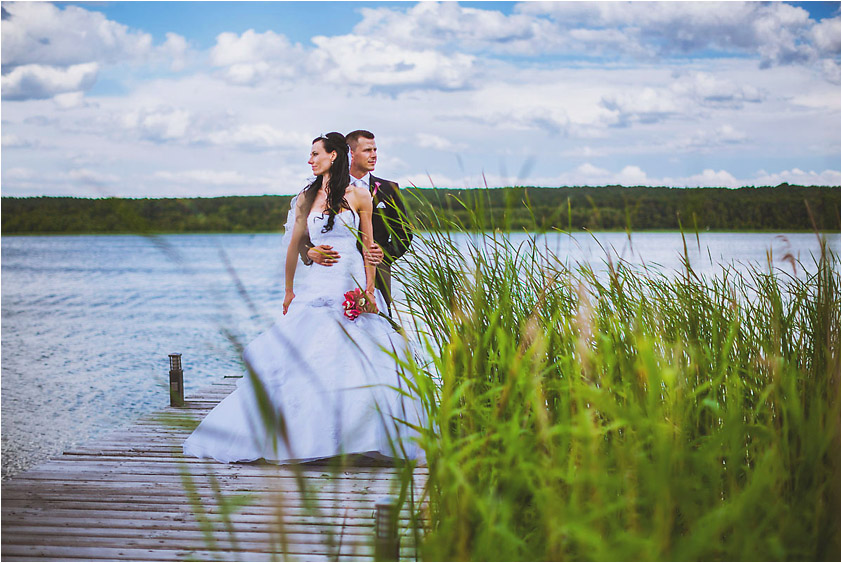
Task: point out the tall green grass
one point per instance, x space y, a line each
625 414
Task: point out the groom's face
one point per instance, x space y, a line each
364 155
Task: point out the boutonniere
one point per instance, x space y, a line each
376 187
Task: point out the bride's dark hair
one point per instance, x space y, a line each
340 177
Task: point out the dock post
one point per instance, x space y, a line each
387 543
176 381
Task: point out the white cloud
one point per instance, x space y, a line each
47 50
86 176
709 90
709 178
826 35
644 106
211 177
587 174
430 141
798 177
11 141
44 34
39 81
166 124
250 47
252 57
175 49
779 33
830 71
70 100
366 61
706 140
687 94
437 24
258 136
160 123
17 173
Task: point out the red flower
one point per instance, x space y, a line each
358 302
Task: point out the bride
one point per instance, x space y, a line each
320 384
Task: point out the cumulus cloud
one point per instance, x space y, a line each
645 106
709 178
49 50
18 173
798 177
12 141
430 141
688 94
37 81
779 33
252 57
437 24
70 100
175 49
44 34
825 36
257 137
160 123
587 174
705 140
367 61
213 181
706 89
211 177
86 176
164 124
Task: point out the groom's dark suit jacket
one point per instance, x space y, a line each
390 230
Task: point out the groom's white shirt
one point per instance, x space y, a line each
364 182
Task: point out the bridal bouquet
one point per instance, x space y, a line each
358 302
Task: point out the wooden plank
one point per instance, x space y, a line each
123 498
32 553
322 508
262 538
29 516
138 520
251 482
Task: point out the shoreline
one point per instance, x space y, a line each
563 232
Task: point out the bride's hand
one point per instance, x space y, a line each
288 297
372 299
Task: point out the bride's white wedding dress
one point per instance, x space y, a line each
330 382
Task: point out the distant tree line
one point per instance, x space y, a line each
779 208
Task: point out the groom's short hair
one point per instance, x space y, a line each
354 136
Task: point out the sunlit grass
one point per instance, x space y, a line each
625 414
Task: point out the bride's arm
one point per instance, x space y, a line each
298 229
365 208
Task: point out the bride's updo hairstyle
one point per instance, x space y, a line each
340 177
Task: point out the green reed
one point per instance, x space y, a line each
625 415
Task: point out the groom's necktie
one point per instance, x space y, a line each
359 182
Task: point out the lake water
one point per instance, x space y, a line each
88 321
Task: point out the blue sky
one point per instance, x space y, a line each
159 99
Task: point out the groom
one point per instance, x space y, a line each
391 232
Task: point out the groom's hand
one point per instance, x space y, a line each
374 255
323 254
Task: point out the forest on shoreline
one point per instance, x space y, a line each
780 208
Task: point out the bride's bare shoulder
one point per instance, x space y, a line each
358 196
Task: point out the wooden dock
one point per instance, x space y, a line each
133 496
